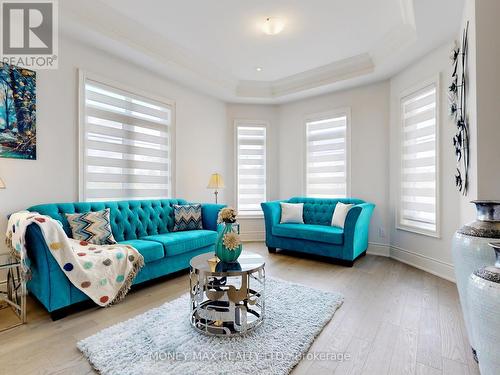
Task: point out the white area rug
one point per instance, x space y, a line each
162 341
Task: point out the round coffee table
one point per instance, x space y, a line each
227 298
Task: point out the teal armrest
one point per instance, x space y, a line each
48 282
356 229
272 215
272 211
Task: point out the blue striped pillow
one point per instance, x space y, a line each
187 217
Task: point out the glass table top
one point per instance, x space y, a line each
247 262
7 260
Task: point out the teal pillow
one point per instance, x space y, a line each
93 227
187 217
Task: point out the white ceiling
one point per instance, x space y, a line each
215 45
226 32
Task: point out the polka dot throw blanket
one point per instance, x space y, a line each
103 272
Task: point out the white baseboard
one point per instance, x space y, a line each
379 249
252 236
436 267
425 263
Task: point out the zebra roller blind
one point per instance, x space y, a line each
251 168
326 164
125 143
418 202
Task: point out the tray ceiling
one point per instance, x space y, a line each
215 46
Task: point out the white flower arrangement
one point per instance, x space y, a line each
231 241
227 215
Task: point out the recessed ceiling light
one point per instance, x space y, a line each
259 68
273 25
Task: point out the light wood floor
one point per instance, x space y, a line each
395 320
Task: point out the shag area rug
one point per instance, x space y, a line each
162 341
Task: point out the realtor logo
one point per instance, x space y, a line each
29 33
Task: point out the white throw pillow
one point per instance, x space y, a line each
340 213
292 213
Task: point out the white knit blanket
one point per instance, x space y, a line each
103 272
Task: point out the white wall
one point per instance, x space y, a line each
369 107
487 30
433 254
467 210
482 102
482 106
200 131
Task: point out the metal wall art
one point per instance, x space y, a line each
458 95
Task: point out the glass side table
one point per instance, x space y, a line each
15 296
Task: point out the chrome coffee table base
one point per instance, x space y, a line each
227 298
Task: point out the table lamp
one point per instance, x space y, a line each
216 182
2 184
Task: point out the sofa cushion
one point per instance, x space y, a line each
187 217
151 251
292 213
93 227
176 243
311 232
320 210
340 214
130 220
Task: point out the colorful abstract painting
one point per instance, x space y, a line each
17 112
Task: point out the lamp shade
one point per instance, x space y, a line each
2 184
215 182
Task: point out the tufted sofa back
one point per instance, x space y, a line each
129 219
320 210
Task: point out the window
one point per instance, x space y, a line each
251 166
125 144
327 156
418 193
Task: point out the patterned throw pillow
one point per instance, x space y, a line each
187 217
92 227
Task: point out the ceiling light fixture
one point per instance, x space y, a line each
259 69
273 25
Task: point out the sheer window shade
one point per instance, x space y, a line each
251 168
418 171
126 145
326 165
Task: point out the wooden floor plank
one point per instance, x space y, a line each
395 319
357 350
379 358
404 358
426 370
452 344
429 348
451 367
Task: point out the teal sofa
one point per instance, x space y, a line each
316 236
144 224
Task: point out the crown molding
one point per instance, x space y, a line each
126 38
393 42
399 37
97 24
407 13
351 67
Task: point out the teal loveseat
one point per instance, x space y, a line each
144 224
317 236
